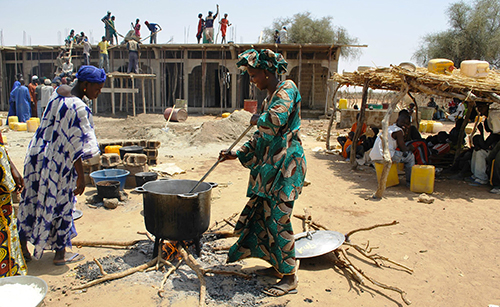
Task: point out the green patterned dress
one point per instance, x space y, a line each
277 166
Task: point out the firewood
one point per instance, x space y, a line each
350 233
193 264
103 243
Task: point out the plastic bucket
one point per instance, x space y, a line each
250 105
143 177
130 149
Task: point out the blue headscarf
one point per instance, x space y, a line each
91 74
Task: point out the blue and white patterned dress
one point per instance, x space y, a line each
66 133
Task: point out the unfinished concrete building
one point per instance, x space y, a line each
205 75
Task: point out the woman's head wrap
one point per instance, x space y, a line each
265 59
91 74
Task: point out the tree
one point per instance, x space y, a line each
474 34
302 28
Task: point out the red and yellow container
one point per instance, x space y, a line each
440 66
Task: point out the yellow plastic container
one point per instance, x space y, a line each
4 139
12 121
112 149
392 179
475 69
437 127
342 104
430 126
35 119
440 66
422 127
32 124
20 127
422 179
225 115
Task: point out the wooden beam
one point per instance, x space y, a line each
470 106
121 94
133 96
111 79
334 114
143 98
361 120
385 140
121 90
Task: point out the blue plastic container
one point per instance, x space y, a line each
111 174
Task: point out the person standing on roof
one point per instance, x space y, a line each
107 25
87 47
209 26
112 33
137 28
154 28
103 54
133 56
283 36
224 23
201 27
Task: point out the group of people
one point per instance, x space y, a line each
111 34
280 36
206 27
53 174
26 101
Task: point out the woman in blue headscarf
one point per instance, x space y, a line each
53 171
277 166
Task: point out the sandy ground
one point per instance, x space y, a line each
452 244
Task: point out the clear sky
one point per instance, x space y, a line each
392 29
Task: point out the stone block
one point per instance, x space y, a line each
110 160
96 160
132 159
153 144
151 153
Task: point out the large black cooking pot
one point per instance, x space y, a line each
171 212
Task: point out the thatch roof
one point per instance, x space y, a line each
422 81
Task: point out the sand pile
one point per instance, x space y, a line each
223 130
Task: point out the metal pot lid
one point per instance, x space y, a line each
317 243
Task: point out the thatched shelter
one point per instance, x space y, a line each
407 79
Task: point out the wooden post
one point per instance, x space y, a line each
143 98
385 139
361 120
470 106
330 123
133 96
111 79
203 80
153 94
416 109
121 94
300 67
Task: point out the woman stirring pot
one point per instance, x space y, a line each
277 166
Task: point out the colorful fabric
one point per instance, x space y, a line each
223 26
11 256
91 74
266 232
65 134
201 26
265 59
277 166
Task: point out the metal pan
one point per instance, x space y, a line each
316 243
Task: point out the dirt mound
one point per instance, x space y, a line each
223 130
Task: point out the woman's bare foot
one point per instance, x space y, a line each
269 272
287 285
26 252
62 257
